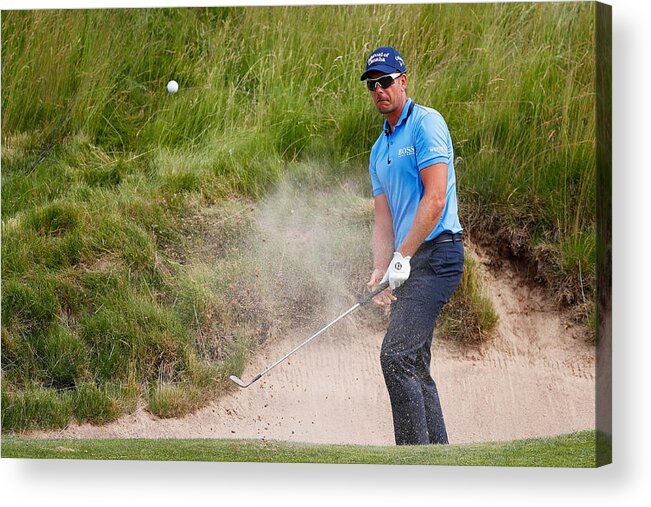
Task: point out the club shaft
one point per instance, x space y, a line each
361 302
297 348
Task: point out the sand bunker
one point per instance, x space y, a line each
537 378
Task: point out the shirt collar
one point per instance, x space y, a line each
406 111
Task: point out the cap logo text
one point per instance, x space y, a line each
377 57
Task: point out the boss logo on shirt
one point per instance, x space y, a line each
405 152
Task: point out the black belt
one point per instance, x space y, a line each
446 237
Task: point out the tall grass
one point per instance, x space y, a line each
102 168
515 82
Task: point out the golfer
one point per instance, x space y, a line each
417 244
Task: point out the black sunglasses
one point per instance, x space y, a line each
384 81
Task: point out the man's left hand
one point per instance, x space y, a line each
398 271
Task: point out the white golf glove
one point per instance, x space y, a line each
398 271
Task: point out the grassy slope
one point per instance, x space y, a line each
101 299
573 450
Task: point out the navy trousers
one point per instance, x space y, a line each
436 270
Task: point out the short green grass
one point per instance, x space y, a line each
572 450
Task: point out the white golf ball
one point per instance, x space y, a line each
172 86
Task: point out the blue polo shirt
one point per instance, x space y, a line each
420 138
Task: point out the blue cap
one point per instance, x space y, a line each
385 59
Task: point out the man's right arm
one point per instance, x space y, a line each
382 234
383 240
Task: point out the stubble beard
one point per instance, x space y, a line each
389 107
386 107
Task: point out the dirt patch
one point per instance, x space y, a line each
536 378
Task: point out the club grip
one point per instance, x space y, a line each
365 299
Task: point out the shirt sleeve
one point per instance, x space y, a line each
433 144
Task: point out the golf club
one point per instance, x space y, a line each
359 303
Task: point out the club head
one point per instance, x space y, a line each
238 381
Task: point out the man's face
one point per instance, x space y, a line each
387 100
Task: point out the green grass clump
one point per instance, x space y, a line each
177 399
29 303
173 400
62 357
573 450
35 407
91 404
133 335
469 316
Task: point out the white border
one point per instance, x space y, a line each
70 483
